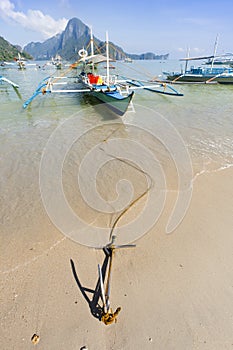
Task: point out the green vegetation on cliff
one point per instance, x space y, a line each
8 51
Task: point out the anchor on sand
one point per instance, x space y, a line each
104 311
108 316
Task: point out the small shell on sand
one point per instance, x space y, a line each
35 339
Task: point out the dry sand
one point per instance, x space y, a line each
176 291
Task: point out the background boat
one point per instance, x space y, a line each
199 74
226 59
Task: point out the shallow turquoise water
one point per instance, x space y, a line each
203 119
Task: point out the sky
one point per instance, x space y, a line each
159 26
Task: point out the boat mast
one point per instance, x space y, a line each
92 48
186 63
92 42
107 54
215 50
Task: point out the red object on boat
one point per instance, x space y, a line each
93 79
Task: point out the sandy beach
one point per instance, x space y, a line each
175 291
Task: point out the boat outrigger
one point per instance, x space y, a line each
114 91
15 86
5 80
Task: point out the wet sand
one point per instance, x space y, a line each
176 291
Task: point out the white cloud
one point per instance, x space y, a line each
195 50
35 20
198 50
181 49
197 21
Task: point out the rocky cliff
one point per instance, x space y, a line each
75 37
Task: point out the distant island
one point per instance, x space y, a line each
67 44
148 56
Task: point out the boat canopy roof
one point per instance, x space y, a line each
95 59
196 58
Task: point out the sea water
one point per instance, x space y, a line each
200 123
